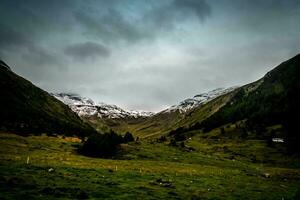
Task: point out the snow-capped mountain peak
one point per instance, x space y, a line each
86 107
73 99
198 100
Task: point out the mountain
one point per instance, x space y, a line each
198 100
105 116
86 107
25 108
265 109
186 114
271 100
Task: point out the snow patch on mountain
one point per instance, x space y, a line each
86 107
198 100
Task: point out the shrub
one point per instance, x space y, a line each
128 137
102 145
173 143
222 131
178 134
162 139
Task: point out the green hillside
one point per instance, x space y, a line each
257 107
273 101
25 108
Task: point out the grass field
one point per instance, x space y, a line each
42 167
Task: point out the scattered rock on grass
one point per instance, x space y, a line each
266 175
50 170
165 183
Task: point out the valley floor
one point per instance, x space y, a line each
42 167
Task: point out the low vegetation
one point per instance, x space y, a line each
46 167
104 145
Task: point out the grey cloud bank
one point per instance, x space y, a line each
146 54
86 50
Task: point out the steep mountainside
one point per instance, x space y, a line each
258 107
25 108
273 101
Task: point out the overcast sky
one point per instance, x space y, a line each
146 54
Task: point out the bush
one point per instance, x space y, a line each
128 137
102 145
173 143
162 139
178 134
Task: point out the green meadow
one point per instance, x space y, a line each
43 167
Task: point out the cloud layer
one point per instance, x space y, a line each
146 54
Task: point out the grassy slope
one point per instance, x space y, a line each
274 101
26 108
145 171
140 127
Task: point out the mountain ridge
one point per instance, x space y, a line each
27 109
86 107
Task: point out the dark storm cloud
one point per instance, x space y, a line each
199 7
23 24
265 5
35 17
114 25
167 16
10 38
12 41
87 50
38 56
111 26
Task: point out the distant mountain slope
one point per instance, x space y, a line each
87 108
144 124
198 100
256 107
187 113
25 108
274 100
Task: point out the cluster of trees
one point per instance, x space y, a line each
104 145
179 134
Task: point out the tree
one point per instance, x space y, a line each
222 131
173 142
128 137
102 145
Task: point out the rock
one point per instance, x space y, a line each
165 183
266 175
50 170
169 185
